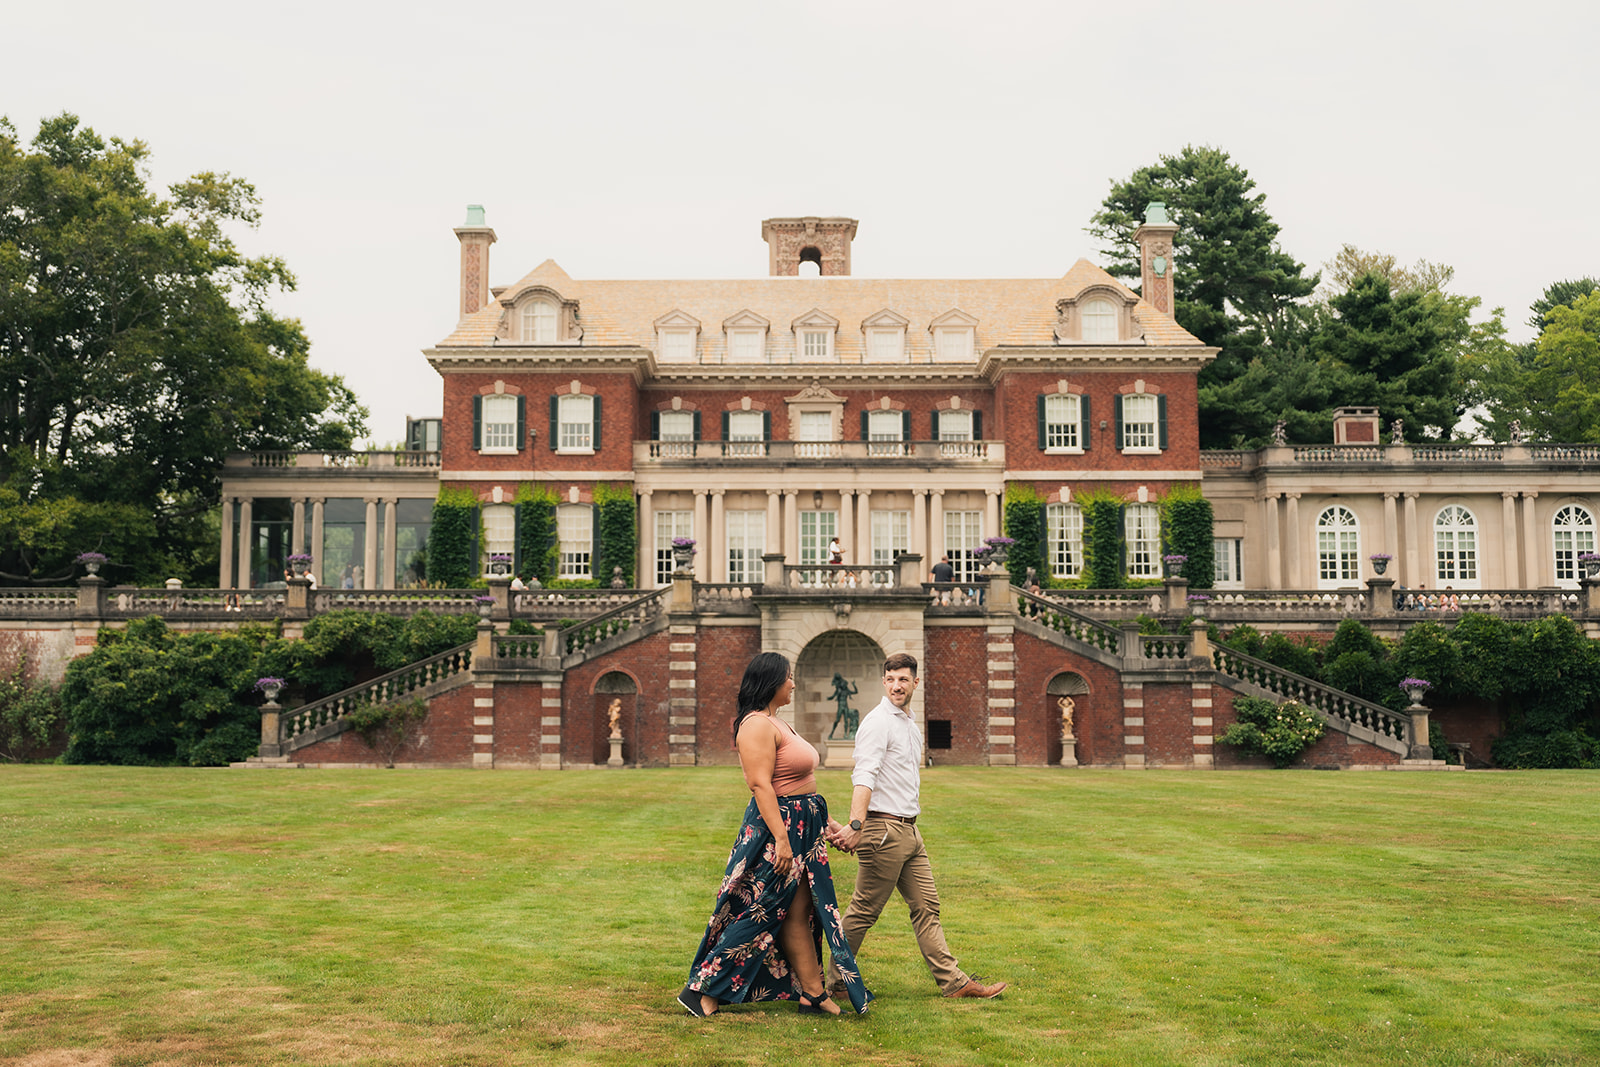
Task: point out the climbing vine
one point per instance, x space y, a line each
453 539
1186 526
537 548
1024 523
619 533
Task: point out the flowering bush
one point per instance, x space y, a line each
1380 556
1174 559
263 684
499 557
90 557
1007 541
1279 732
300 557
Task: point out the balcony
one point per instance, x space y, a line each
667 454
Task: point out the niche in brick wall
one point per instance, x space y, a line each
614 686
1069 689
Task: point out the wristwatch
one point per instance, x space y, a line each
855 824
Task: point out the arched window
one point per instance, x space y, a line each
1455 546
1099 322
538 323
1338 548
1573 532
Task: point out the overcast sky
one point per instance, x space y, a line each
647 140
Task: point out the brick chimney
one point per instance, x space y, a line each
791 242
475 237
1155 256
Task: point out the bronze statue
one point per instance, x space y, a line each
842 692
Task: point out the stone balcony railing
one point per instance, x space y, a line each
1446 455
786 453
309 461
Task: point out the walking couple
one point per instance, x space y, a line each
777 903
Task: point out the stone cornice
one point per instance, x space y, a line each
477 359
996 361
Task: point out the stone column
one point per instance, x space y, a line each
1391 528
791 527
846 524
702 535
246 521
229 544
369 554
316 538
919 523
1508 542
863 554
1269 511
773 542
1296 578
1412 575
647 541
1533 569
991 513
719 537
297 536
389 531
936 546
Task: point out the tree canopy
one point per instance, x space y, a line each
1552 386
137 350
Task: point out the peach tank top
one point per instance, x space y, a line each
795 770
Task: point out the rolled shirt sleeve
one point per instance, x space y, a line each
872 743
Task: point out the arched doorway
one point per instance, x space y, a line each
1067 686
852 655
619 687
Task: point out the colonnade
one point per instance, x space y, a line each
378 547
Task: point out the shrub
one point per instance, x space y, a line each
1295 656
1279 732
453 539
1246 639
30 715
387 728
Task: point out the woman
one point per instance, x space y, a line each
764 940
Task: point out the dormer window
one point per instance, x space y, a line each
1099 322
1100 315
677 338
747 337
814 333
816 345
885 335
538 319
954 336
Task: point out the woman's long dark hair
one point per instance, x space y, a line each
762 677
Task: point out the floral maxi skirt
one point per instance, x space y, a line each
739 957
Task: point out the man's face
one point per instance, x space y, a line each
898 685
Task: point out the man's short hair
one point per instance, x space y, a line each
901 661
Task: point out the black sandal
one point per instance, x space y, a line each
810 1005
690 999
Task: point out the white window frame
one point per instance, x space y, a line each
675 426
1063 424
886 344
817 528
1455 547
891 533
1141 533
1063 530
747 346
746 535
677 346
963 536
669 524
499 533
575 424
954 344
815 344
497 431
946 421
1146 439
1338 548
1098 322
1227 562
885 433
1572 532
539 322
575 535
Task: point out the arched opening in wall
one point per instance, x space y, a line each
615 688
810 262
1068 694
837 664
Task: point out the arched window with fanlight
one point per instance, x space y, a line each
1338 548
1573 535
1099 322
1455 547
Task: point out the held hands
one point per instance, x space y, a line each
841 837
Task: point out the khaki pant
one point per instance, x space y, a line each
890 856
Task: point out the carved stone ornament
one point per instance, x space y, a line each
815 392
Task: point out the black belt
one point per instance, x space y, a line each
908 819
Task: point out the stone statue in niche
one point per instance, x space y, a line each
847 716
615 714
1068 707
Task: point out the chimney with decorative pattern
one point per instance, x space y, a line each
475 237
1155 256
825 242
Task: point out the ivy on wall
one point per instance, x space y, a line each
453 539
538 551
1024 524
1187 529
619 533
1102 538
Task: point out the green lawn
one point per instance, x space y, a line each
445 917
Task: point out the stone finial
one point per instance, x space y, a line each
475 237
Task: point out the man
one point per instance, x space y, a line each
942 571
883 831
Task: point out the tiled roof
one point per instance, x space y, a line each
1009 312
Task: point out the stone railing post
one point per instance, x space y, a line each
500 589
1199 641
1591 597
550 645
91 597
1381 595
1132 645
271 741
483 651
772 570
910 573
297 600
1000 599
1420 749
682 595
1177 595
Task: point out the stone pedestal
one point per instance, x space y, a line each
841 754
271 747
1069 751
616 753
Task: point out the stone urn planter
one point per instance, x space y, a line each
91 561
1380 563
299 564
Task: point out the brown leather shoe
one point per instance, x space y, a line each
975 988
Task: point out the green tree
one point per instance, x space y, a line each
137 350
1553 385
1341 272
1233 286
1557 294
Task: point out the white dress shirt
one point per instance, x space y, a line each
889 760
